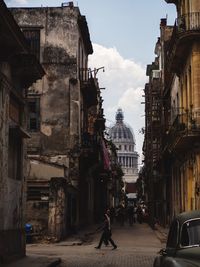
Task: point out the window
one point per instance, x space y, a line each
190 234
33 38
173 235
34 114
39 193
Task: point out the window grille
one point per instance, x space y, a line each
33 38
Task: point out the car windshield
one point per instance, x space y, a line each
190 234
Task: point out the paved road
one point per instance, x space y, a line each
137 247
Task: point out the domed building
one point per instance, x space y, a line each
124 139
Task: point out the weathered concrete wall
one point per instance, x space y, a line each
12 244
194 6
12 237
195 69
11 191
44 171
38 211
57 24
59 50
63 55
57 208
4 102
37 215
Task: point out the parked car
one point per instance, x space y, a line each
183 243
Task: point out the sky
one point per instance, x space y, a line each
123 34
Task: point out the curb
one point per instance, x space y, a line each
161 234
162 238
54 263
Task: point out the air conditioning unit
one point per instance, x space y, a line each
156 74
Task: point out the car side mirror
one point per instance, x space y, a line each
163 252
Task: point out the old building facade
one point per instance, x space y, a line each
66 123
177 167
18 70
183 83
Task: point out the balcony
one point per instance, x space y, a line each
184 132
100 124
89 87
186 30
89 143
189 23
100 121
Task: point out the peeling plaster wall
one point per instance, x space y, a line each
11 191
37 215
13 212
38 210
57 215
42 171
59 36
62 53
12 237
57 24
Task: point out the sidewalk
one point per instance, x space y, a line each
138 240
85 235
34 261
161 233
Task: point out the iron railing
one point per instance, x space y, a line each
185 25
189 121
89 141
184 125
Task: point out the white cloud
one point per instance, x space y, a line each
124 80
131 99
21 2
16 2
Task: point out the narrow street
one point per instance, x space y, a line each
137 247
93 129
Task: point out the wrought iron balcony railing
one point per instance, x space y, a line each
189 120
186 26
89 141
185 128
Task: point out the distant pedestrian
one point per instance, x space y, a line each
121 215
139 213
135 214
106 234
130 213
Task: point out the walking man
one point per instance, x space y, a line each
106 235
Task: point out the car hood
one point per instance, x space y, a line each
190 254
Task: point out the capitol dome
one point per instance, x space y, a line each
120 132
123 137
